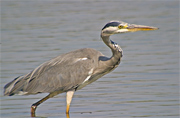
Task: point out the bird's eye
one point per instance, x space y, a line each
120 26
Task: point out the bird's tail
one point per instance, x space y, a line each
14 87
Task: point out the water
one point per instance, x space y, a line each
146 84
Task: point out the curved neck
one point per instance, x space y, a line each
115 48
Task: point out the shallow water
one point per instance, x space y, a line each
146 84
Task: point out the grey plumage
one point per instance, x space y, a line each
57 74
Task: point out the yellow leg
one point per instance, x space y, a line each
69 96
67 108
67 116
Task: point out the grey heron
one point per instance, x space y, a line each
74 70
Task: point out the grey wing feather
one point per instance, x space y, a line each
60 78
62 73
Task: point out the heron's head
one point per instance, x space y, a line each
115 27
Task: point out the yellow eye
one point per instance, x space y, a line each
120 26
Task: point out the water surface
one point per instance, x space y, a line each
146 84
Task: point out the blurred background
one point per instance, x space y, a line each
146 83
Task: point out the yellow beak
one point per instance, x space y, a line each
134 27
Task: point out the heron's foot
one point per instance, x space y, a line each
33 109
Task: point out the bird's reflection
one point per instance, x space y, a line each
34 116
67 115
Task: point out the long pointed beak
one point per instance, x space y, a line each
134 28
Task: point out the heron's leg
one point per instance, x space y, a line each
34 106
69 96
